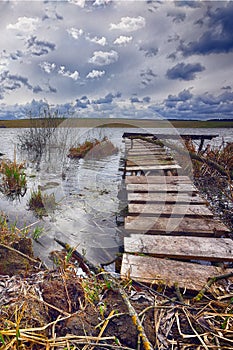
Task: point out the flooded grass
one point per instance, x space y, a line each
14 181
41 203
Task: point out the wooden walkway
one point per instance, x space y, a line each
171 235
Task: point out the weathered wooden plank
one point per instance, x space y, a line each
169 209
146 151
161 188
163 197
152 167
163 271
149 162
151 157
188 248
157 179
175 225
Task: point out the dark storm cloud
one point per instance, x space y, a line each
39 47
107 99
177 17
219 36
16 55
188 3
83 102
52 89
37 89
149 51
134 100
148 76
146 99
184 71
13 82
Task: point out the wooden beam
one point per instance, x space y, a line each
153 167
185 225
187 248
169 209
168 272
160 188
149 162
161 197
157 179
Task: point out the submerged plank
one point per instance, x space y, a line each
161 188
162 197
169 209
190 248
157 179
185 225
163 271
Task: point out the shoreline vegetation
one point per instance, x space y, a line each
114 123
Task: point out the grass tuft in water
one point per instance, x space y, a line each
41 203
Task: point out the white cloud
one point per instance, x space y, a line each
47 67
3 65
75 33
95 74
101 58
80 3
101 41
101 2
25 24
123 40
67 73
129 24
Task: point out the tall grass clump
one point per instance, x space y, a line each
41 203
14 181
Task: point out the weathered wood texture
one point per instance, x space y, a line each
152 167
158 179
145 152
160 188
149 162
172 198
188 248
169 209
186 225
163 271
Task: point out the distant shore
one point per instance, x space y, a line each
116 123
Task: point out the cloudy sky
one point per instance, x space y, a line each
103 58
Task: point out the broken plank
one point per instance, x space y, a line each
161 188
163 197
169 209
178 247
185 225
168 272
158 179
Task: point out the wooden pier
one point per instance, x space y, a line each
171 236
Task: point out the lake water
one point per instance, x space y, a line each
86 191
